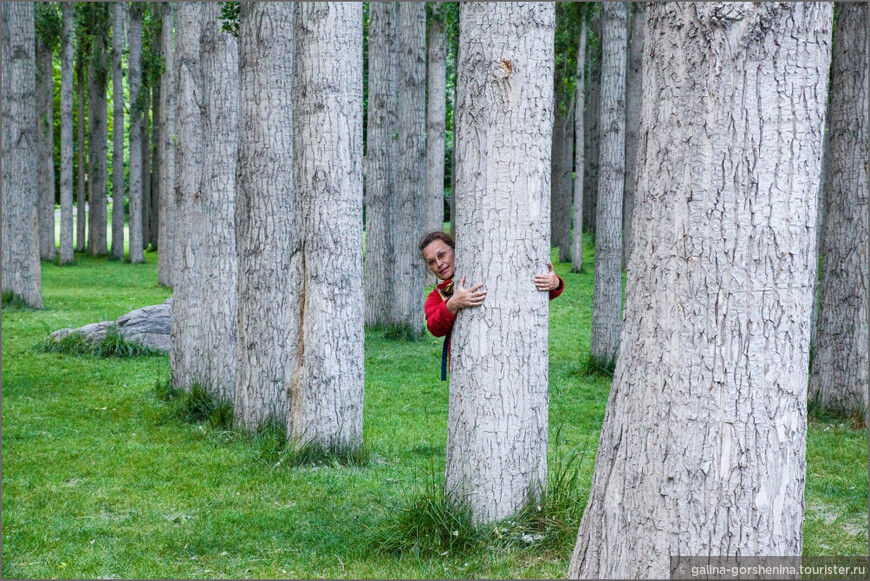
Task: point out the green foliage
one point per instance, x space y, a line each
14 302
72 344
230 17
49 24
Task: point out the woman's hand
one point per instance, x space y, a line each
465 297
549 281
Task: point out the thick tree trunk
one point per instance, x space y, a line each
591 127
167 259
702 450
21 272
118 9
381 159
436 116
497 423
607 297
45 150
269 265
185 353
633 84
326 392
408 274
839 374
137 106
560 174
220 72
98 138
81 203
579 154
66 137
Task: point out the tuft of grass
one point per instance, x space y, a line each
14 302
195 406
72 344
816 412
401 332
273 447
595 366
112 345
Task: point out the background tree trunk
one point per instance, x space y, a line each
137 106
81 203
436 115
45 149
269 269
381 159
702 449
607 298
579 153
98 138
154 222
326 392
167 258
118 9
839 374
633 94
20 267
220 71
407 275
146 167
591 126
497 423
560 176
66 137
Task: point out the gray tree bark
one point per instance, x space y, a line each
269 265
98 139
154 234
167 258
66 137
137 106
146 166
185 353
579 153
591 128
45 149
118 9
633 95
839 377
408 273
21 271
220 71
607 297
702 449
560 173
81 203
326 392
436 118
381 160
497 422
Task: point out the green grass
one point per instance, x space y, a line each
112 345
107 474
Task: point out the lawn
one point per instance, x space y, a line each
100 479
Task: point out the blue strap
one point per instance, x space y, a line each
445 356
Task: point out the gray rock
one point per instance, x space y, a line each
148 326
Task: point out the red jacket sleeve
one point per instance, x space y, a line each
439 320
558 290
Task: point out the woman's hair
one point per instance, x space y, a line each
431 237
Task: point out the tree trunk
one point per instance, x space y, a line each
591 127
633 85
185 353
98 138
497 423
137 106
45 149
118 9
560 174
436 116
146 168
381 159
326 392
21 271
839 374
154 222
66 137
579 153
607 297
220 71
167 259
702 449
269 265
81 203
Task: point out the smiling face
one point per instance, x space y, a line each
439 258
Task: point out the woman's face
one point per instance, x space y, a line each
439 258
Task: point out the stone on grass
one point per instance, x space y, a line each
149 326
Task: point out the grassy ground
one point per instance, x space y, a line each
100 479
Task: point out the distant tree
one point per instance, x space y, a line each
590 121
118 14
146 164
168 259
66 137
702 449
153 68
633 83
436 113
81 52
137 106
579 149
560 169
21 270
48 28
97 23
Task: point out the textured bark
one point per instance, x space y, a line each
146 167
98 139
167 259
21 272
633 83
408 273
118 10
269 269
154 223
838 378
381 159
137 105
579 154
220 71
81 203
436 119
591 129
497 422
607 297
185 353
66 136
560 173
326 392
702 449
45 150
